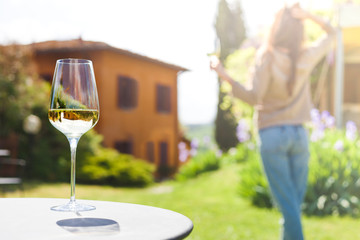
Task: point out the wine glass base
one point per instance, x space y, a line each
73 207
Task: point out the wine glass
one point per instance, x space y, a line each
74 109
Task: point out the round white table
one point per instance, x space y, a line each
32 219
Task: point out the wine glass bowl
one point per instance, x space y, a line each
74 109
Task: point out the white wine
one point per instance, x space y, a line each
73 122
74 110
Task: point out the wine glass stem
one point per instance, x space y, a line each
73 145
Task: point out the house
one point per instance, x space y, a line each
137 95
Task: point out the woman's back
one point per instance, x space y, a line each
277 105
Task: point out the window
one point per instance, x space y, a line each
163 153
150 152
124 147
163 103
127 93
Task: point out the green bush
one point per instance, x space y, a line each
334 176
113 168
253 184
202 162
48 152
241 153
333 183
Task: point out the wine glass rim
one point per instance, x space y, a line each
74 61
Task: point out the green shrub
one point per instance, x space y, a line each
202 162
333 183
113 168
48 153
241 153
253 184
165 171
334 176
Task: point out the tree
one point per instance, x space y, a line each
231 32
12 75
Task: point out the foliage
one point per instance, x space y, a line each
238 65
334 177
110 167
231 32
47 153
334 171
164 172
200 163
19 90
241 153
204 156
230 28
225 123
22 93
200 131
253 184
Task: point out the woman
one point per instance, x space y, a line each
280 92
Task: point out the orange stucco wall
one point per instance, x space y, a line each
142 124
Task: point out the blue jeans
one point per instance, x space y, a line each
285 156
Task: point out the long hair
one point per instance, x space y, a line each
287 33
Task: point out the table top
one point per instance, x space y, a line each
31 218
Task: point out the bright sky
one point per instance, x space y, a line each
180 32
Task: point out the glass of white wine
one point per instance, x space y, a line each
74 109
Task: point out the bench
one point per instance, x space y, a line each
11 172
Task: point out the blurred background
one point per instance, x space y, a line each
164 114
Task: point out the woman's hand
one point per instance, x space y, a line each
216 65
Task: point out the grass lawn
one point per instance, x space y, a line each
213 205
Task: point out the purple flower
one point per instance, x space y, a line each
315 115
330 122
206 140
351 126
351 130
242 131
321 121
317 134
182 145
327 119
183 152
339 145
193 152
194 143
325 114
183 155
